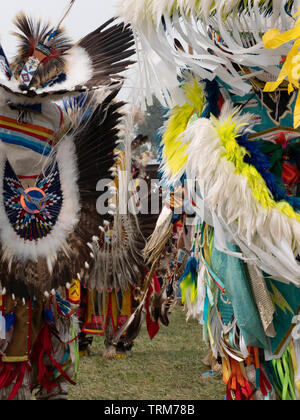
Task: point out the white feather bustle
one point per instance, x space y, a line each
267 238
135 11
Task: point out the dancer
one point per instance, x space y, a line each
52 158
228 71
112 290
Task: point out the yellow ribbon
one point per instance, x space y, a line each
291 68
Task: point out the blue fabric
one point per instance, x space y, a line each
265 116
262 163
212 93
33 107
27 141
48 316
225 309
59 79
10 320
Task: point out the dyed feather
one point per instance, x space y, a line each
262 163
266 231
188 281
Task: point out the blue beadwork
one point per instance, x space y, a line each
33 226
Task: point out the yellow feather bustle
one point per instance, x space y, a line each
174 150
228 130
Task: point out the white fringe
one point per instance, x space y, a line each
160 62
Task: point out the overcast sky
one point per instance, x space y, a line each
85 16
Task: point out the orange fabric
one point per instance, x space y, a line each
234 375
27 125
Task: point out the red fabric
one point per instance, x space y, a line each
240 393
264 383
13 372
43 347
152 327
281 139
238 384
291 174
53 54
221 102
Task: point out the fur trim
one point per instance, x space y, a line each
48 247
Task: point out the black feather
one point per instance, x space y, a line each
109 47
95 145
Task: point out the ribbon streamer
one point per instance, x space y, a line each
273 39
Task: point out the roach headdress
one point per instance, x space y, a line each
48 62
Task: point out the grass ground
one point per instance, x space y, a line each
168 368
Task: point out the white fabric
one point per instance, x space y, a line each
25 161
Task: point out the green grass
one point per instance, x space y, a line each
168 368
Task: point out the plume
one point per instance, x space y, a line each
31 33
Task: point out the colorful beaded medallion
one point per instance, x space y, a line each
33 212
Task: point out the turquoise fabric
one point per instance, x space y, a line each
286 298
232 272
225 309
268 113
